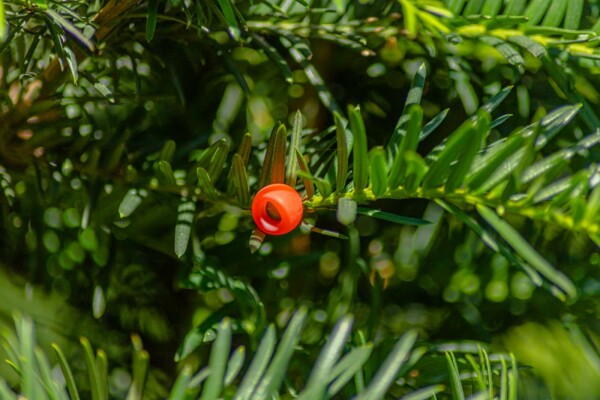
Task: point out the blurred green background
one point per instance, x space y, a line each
109 108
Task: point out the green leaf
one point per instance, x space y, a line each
27 59
318 380
508 52
245 147
386 216
343 147
217 161
323 186
259 364
165 173
409 131
178 392
346 211
302 2
307 178
102 367
278 167
504 170
104 91
588 115
140 362
555 13
227 8
409 12
456 6
433 124
533 47
240 180
453 149
72 64
479 376
552 190
234 366
378 171
577 205
346 42
592 211
469 151
535 11
12 33
198 379
3 26
416 168
472 7
416 88
513 378
273 377
387 372
574 13
487 367
500 120
554 121
6 393
340 6
218 362
490 163
55 392
515 7
151 19
497 99
67 373
491 7
425 393
544 168
243 152
167 151
267 165
414 97
574 35
205 184
347 368
205 331
457 388
186 212
57 42
292 168
577 187
92 369
98 302
26 334
361 159
524 249
274 55
526 155
71 29
133 198
465 91
503 381
548 163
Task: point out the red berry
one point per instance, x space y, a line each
277 209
